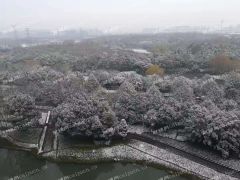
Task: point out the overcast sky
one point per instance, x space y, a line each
130 15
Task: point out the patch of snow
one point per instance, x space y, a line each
143 51
137 129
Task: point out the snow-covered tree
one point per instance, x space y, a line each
84 115
122 128
217 129
21 106
212 90
92 83
182 89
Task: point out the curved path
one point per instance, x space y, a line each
153 140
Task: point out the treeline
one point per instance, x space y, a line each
99 87
205 110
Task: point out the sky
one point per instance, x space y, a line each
116 15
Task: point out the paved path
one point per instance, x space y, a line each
42 140
49 138
156 141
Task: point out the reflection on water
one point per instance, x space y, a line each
23 165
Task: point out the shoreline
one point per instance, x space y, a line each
128 152
123 158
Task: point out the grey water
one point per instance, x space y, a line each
16 165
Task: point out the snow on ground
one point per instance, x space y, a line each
138 129
137 151
144 51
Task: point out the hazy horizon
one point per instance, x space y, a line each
119 16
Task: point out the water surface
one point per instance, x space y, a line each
23 165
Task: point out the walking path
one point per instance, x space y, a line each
43 135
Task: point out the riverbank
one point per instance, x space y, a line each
139 152
130 151
23 165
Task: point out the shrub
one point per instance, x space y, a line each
222 63
155 69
